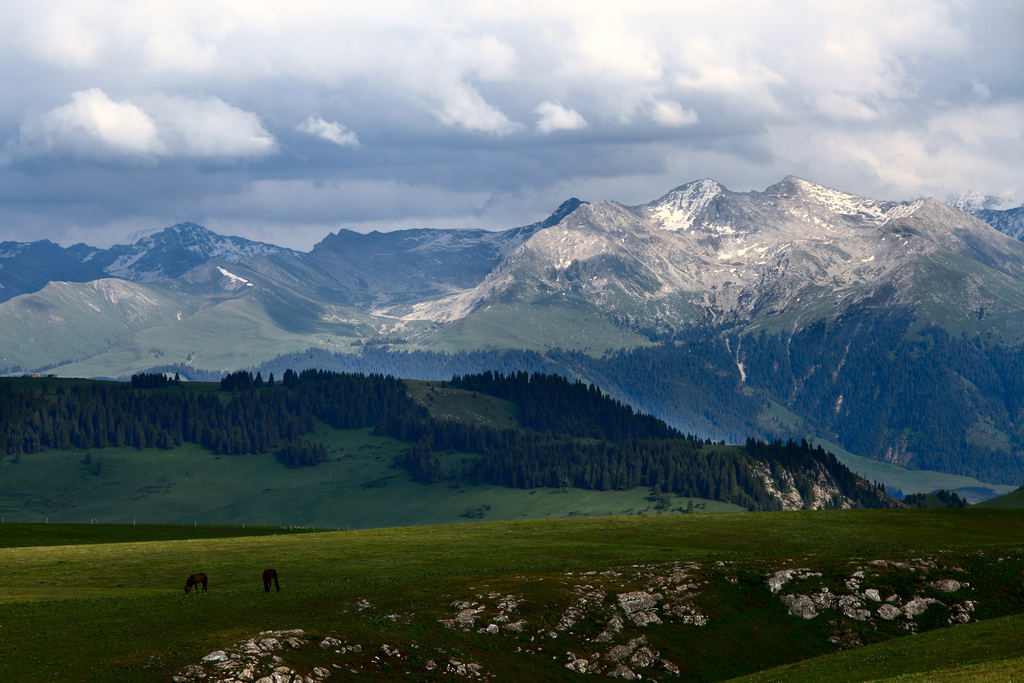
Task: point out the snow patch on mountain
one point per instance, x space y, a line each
235 279
904 210
12 249
974 201
170 252
702 250
842 203
680 208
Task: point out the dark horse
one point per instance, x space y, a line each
195 580
268 576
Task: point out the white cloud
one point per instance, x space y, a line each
553 116
845 106
152 127
462 106
976 147
209 128
179 51
331 131
607 46
64 39
92 123
980 90
983 125
672 115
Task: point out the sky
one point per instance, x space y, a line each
284 122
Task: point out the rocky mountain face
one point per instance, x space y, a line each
27 267
794 253
1006 221
986 207
174 251
699 256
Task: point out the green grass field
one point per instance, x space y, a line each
914 481
519 600
357 488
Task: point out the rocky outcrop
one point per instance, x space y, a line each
856 602
603 621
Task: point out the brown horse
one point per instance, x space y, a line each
195 580
268 576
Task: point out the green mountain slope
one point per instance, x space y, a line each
76 451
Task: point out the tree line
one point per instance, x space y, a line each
571 434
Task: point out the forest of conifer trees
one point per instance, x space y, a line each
570 433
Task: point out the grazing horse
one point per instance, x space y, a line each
195 580
268 576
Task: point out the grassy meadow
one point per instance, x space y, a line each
522 600
357 487
383 578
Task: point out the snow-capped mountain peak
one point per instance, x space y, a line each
170 252
680 209
974 201
835 202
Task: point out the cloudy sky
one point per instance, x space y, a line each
286 121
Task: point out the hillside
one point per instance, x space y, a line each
165 451
1014 500
684 597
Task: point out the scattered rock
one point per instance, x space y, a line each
776 581
608 634
624 672
644 657
889 612
800 606
946 585
640 597
918 606
851 606
213 657
641 607
294 643
845 638
463 669
329 642
515 626
578 665
269 644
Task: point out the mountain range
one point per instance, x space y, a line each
739 313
